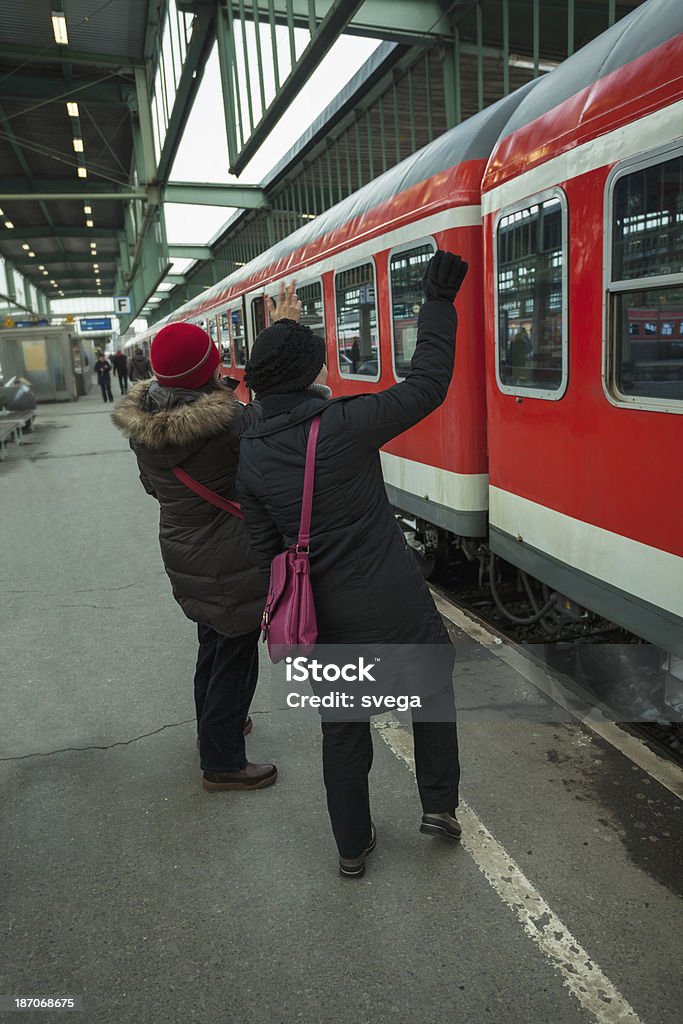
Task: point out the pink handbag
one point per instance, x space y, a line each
289 625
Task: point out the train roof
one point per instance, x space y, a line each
645 28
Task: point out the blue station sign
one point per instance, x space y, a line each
96 323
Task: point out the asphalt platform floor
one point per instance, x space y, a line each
126 884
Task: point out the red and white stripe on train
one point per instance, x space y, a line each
559 444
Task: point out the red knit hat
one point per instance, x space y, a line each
183 356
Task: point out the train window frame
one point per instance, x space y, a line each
397 249
372 260
230 307
220 313
612 288
519 390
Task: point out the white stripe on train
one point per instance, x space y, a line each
655 129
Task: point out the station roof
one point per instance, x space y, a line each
39 137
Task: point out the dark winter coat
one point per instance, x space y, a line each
367 584
120 364
205 550
102 369
139 368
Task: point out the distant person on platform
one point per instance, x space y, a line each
103 371
190 419
139 367
120 364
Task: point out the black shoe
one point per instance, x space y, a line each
254 776
445 825
354 867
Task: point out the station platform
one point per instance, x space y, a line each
126 883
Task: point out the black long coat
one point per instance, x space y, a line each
205 550
367 584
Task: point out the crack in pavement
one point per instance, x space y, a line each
119 743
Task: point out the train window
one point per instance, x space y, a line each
212 328
239 337
226 354
531 297
644 361
406 270
258 315
312 312
357 337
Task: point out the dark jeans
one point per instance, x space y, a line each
123 382
347 759
105 385
224 684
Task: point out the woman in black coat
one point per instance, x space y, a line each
367 585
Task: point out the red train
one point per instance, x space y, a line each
560 445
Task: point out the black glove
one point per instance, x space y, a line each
443 276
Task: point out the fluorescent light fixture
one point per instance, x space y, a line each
90 223
308 216
78 145
59 28
1 214
9 224
87 209
93 245
41 267
45 273
32 255
25 246
72 109
82 172
96 266
515 61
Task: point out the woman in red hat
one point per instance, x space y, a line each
186 418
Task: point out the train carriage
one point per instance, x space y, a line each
583 226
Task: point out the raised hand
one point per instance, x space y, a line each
288 304
443 276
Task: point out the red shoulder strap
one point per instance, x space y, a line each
309 475
207 494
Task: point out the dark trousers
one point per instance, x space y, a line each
347 759
123 382
105 385
224 684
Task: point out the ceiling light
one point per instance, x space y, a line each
1 213
82 172
87 209
59 28
96 266
9 224
45 273
52 281
41 267
61 293
90 223
78 145
25 246
72 109
32 255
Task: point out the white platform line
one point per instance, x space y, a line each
579 972
658 768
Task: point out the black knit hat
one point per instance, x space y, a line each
287 356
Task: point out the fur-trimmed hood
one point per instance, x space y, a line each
163 418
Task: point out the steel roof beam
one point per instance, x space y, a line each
189 252
409 21
25 197
53 231
36 87
60 55
245 197
201 42
323 37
